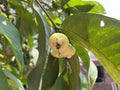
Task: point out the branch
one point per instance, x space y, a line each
51 20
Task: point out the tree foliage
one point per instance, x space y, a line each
25 59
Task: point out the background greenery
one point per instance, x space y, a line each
25 27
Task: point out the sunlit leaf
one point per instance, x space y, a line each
77 6
99 34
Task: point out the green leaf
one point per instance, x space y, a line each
50 73
77 6
92 75
83 82
3 81
99 34
12 35
15 79
12 84
44 33
60 84
73 73
55 18
90 66
24 19
34 78
83 55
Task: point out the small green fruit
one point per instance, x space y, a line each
58 41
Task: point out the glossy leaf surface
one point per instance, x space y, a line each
101 35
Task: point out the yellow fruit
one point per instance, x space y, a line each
60 47
58 41
55 53
69 52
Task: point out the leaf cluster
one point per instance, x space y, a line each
25 27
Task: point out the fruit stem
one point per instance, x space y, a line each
57 28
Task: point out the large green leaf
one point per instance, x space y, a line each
101 35
3 81
12 35
44 33
34 78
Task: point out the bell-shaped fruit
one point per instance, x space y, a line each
55 53
69 52
58 41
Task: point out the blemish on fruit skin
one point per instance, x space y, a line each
58 45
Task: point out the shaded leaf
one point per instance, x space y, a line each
101 35
12 35
50 73
44 33
3 81
34 78
60 84
73 73
90 66
83 55
24 19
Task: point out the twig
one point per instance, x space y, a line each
51 20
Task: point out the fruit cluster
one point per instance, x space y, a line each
60 46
